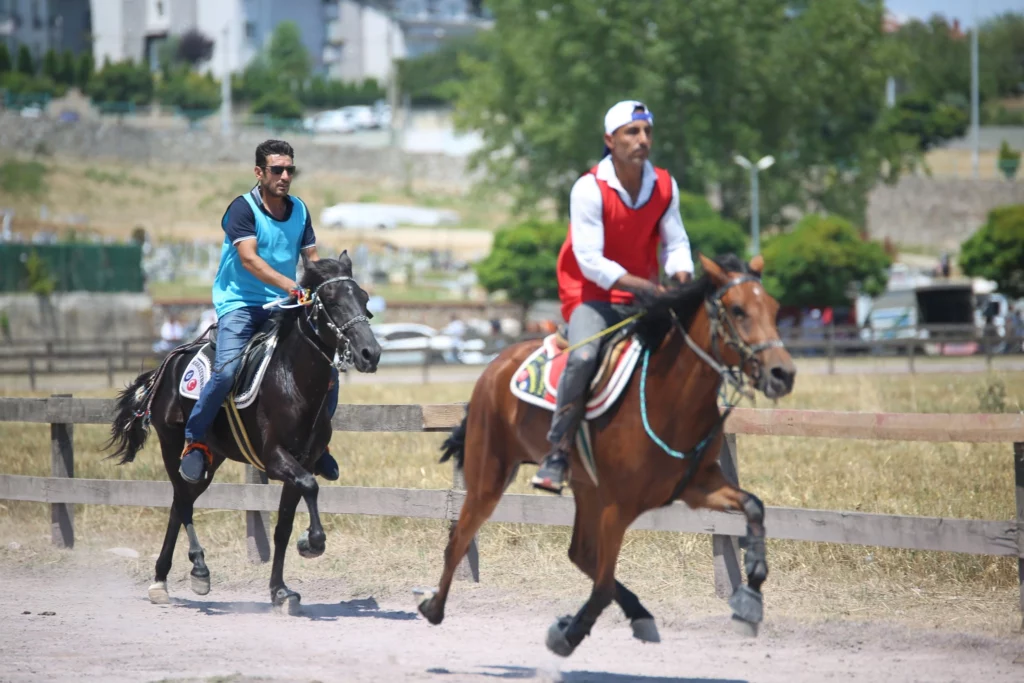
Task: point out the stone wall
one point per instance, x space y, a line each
110 138
936 212
78 316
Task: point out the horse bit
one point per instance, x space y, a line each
316 308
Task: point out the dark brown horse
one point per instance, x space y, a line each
721 326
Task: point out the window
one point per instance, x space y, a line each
159 8
250 30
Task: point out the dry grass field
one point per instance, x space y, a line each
816 581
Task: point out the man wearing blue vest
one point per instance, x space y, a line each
266 231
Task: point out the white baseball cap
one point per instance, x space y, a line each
626 112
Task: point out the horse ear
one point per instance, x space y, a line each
757 264
713 270
345 261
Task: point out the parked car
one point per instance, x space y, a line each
335 121
409 343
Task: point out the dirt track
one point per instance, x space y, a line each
104 629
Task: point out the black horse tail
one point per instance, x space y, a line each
455 444
129 430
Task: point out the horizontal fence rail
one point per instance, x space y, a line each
980 537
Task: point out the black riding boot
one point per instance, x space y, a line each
554 470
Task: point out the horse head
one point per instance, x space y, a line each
742 317
339 311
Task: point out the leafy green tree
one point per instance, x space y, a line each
723 77
86 69
25 64
926 121
996 250
51 65
278 105
709 233
287 57
122 82
816 263
67 73
5 59
522 262
190 91
433 78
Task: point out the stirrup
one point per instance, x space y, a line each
552 473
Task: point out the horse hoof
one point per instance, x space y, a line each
645 631
744 628
287 602
747 604
158 593
306 549
424 601
556 640
200 584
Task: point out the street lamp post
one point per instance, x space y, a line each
755 209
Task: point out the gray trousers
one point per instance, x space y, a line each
589 318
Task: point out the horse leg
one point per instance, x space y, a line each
568 632
180 514
281 465
714 491
487 475
583 554
280 595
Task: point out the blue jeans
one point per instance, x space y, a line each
234 330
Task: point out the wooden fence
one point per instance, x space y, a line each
978 537
832 343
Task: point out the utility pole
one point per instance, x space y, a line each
975 141
225 85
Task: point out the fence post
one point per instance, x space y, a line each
469 567
124 354
110 371
257 538
726 549
62 464
32 373
1018 476
49 356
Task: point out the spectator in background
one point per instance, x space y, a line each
456 329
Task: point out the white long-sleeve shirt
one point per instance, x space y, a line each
587 225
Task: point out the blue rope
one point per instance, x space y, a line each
647 425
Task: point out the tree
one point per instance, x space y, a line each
723 77
709 233
5 59
86 69
996 250
51 65
122 83
67 73
190 91
287 56
926 121
522 262
279 105
817 262
25 64
194 48
432 78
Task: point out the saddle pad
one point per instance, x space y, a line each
536 380
247 380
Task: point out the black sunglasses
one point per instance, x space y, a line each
278 170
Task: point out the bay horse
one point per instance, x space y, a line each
285 424
718 327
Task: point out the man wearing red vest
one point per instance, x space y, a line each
619 213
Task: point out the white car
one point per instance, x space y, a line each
409 343
337 121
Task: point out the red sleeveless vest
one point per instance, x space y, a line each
631 239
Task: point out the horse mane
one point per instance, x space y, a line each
316 272
683 299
